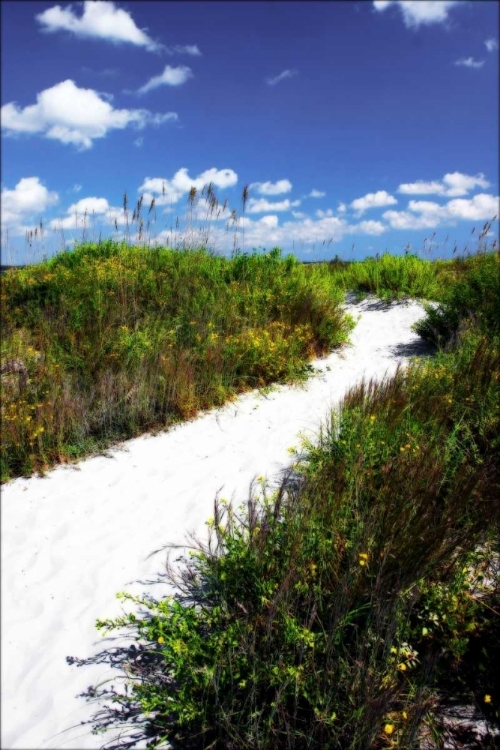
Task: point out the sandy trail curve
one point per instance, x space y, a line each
73 539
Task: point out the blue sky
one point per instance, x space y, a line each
365 124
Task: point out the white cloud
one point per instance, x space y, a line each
342 208
469 62
272 188
419 12
373 200
259 205
298 215
281 77
74 115
428 214
316 194
269 221
89 205
169 191
29 197
169 77
491 44
461 184
79 214
408 220
100 20
370 227
453 184
139 141
420 187
76 187
83 213
321 214
481 206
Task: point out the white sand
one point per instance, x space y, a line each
73 539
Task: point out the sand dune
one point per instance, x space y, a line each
74 538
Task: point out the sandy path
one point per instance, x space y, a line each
74 538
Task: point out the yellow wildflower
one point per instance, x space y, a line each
487 699
389 728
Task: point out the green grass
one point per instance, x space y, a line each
389 277
116 340
329 613
324 612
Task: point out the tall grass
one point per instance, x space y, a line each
319 615
330 612
116 339
389 276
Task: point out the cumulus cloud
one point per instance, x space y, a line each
259 205
453 184
419 12
316 194
28 198
369 227
74 115
373 200
169 77
281 77
469 62
491 44
428 214
79 213
170 191
101 19
272 188
481 206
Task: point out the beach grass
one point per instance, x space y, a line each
335 610
111 340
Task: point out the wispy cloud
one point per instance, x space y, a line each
169 77
491 44
419 12
469 62
281 77
74 115
101 19
373 200
139 141
271 188
184 49
453 184
316 194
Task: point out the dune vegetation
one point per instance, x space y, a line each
338 609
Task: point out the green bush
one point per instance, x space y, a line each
474 298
